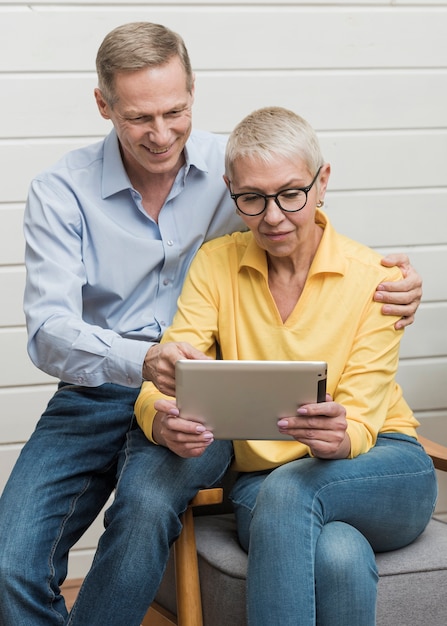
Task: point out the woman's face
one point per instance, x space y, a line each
280 233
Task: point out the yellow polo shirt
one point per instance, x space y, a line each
226 300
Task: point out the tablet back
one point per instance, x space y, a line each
245 399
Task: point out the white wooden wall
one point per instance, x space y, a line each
370 76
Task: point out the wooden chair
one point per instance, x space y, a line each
187 583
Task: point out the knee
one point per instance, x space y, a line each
136 510
282 494
344 556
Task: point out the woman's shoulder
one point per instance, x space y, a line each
227 244
363 256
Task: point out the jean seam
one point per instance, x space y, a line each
56 544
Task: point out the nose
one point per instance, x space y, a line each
159 132
273 213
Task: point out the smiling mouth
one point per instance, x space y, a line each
159 151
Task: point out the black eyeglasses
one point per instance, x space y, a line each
288 200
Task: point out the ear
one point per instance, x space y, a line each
102 105
193 88
227 182
323 180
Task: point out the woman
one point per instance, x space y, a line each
353 479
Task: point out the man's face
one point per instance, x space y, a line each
152 118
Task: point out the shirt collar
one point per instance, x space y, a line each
115 178
329 258
193 155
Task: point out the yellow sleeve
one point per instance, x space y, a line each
195 322
144 407
367 382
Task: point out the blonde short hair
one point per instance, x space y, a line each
271 132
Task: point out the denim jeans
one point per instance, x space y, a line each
311 527
85 445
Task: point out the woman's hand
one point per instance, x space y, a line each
183 437
321 426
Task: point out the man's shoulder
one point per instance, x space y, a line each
364 258
80 158
205 141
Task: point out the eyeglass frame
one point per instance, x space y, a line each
235 196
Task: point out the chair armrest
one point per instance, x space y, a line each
437 452
208 496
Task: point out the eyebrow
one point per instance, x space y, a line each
282 187
179 106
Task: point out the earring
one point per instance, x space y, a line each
320 204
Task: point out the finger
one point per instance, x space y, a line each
403 322
399 258
399 310
190 352
322 409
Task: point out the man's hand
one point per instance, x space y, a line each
183 437
159 363
400 297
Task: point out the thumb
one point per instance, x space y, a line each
190 352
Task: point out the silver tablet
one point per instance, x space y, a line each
245 399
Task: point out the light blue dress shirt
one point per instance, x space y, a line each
102 277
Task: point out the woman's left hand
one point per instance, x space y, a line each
321 426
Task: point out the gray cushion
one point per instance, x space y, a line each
412 587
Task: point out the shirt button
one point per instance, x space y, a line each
162 323
166 282
170 242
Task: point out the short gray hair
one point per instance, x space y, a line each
271 132
135 46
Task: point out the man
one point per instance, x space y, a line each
111 230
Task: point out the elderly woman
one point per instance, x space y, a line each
353 478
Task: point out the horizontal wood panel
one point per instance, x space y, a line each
20 410
16 367
427 336
393 217
12 281
12 243
423 383
386 160
8 456
348 3
360 160
63 104
79 563
271 36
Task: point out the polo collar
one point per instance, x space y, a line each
329 258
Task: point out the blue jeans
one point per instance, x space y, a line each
85 445
311 527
